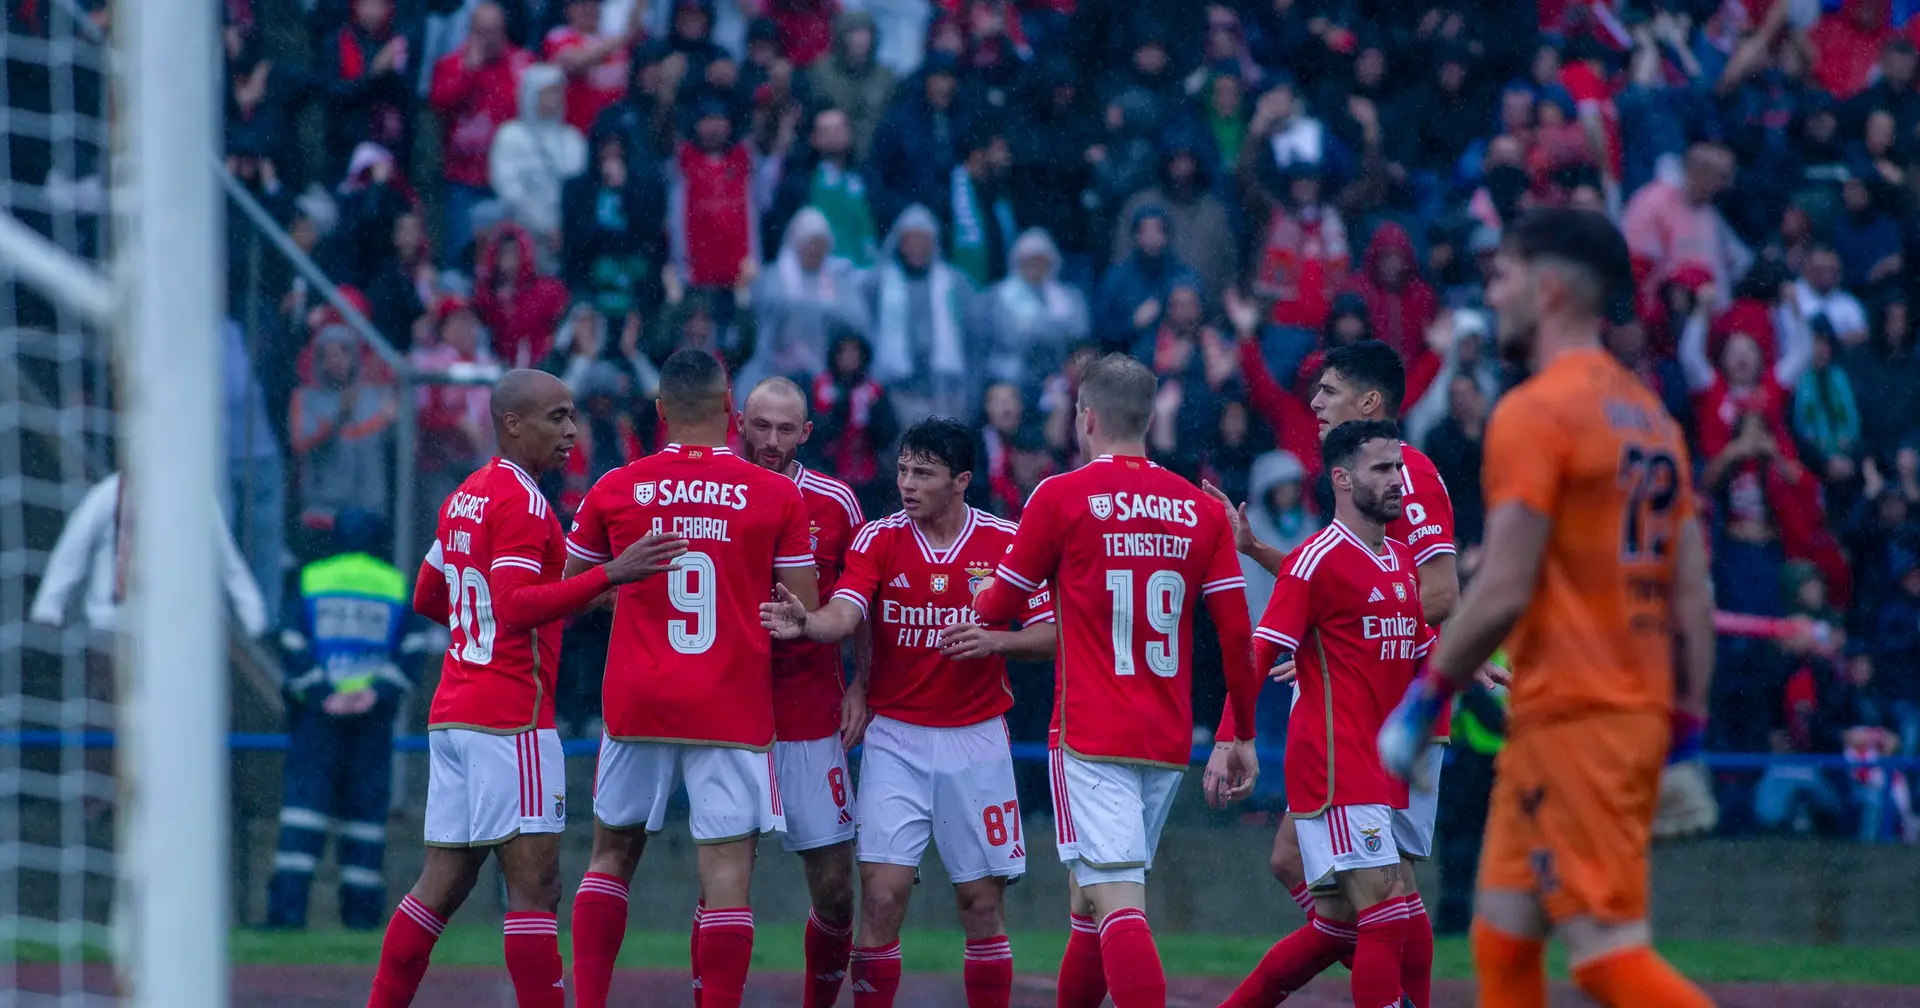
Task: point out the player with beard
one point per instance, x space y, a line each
1361 381
815 718
938 764
497 782
1347 606
1595 578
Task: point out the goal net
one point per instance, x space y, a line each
113 838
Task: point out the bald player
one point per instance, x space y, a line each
1595 576
497 781
688 694
816 718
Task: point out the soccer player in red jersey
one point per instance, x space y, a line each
1347 605
1366 381
689 681
497 780
938 764
1129 548
814 717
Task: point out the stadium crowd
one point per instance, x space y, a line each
918 207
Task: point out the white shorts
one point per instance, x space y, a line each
1108 816
816 794
731 793
485 789
1413 825
1345 838
953 786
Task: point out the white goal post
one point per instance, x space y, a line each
172 905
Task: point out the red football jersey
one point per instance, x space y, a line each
1129 548
493 680
908 591
807 682
689 661
1426 526
1352 619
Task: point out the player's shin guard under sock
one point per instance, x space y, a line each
988 972
693 950
1376 956
1639 977
1135 978
726 950
404 953
1082 984
532 942
1416 955
827 949
599 926
1292 962
1512 970
875 973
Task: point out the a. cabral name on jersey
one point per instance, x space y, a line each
1125 506
1395 634
466 505
687 527
919 626
669 492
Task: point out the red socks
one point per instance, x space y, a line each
876 975
1377 954
599 926
533 959
1416 955
1302 897
693 949
404 954
1292 963
726 950
1082 984
1132 964
989 972
827 949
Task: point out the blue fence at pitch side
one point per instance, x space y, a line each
1029 752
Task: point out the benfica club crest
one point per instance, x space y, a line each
939 583
813 537
643 494
1101 505
977 576
1370 839
1400 591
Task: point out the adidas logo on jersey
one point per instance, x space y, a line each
845 817
1376 596
899 581
1018 851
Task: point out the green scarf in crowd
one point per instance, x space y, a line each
842 197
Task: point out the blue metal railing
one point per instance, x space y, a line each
1027 752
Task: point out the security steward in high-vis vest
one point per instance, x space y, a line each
346 675
1479 730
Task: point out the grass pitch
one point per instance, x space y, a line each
777 947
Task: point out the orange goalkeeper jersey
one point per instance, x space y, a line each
1586 444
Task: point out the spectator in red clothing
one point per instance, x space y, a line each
595 64
475 90
364 75
718 192
806 27
521 307
1400 305
1584 75
1846 45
